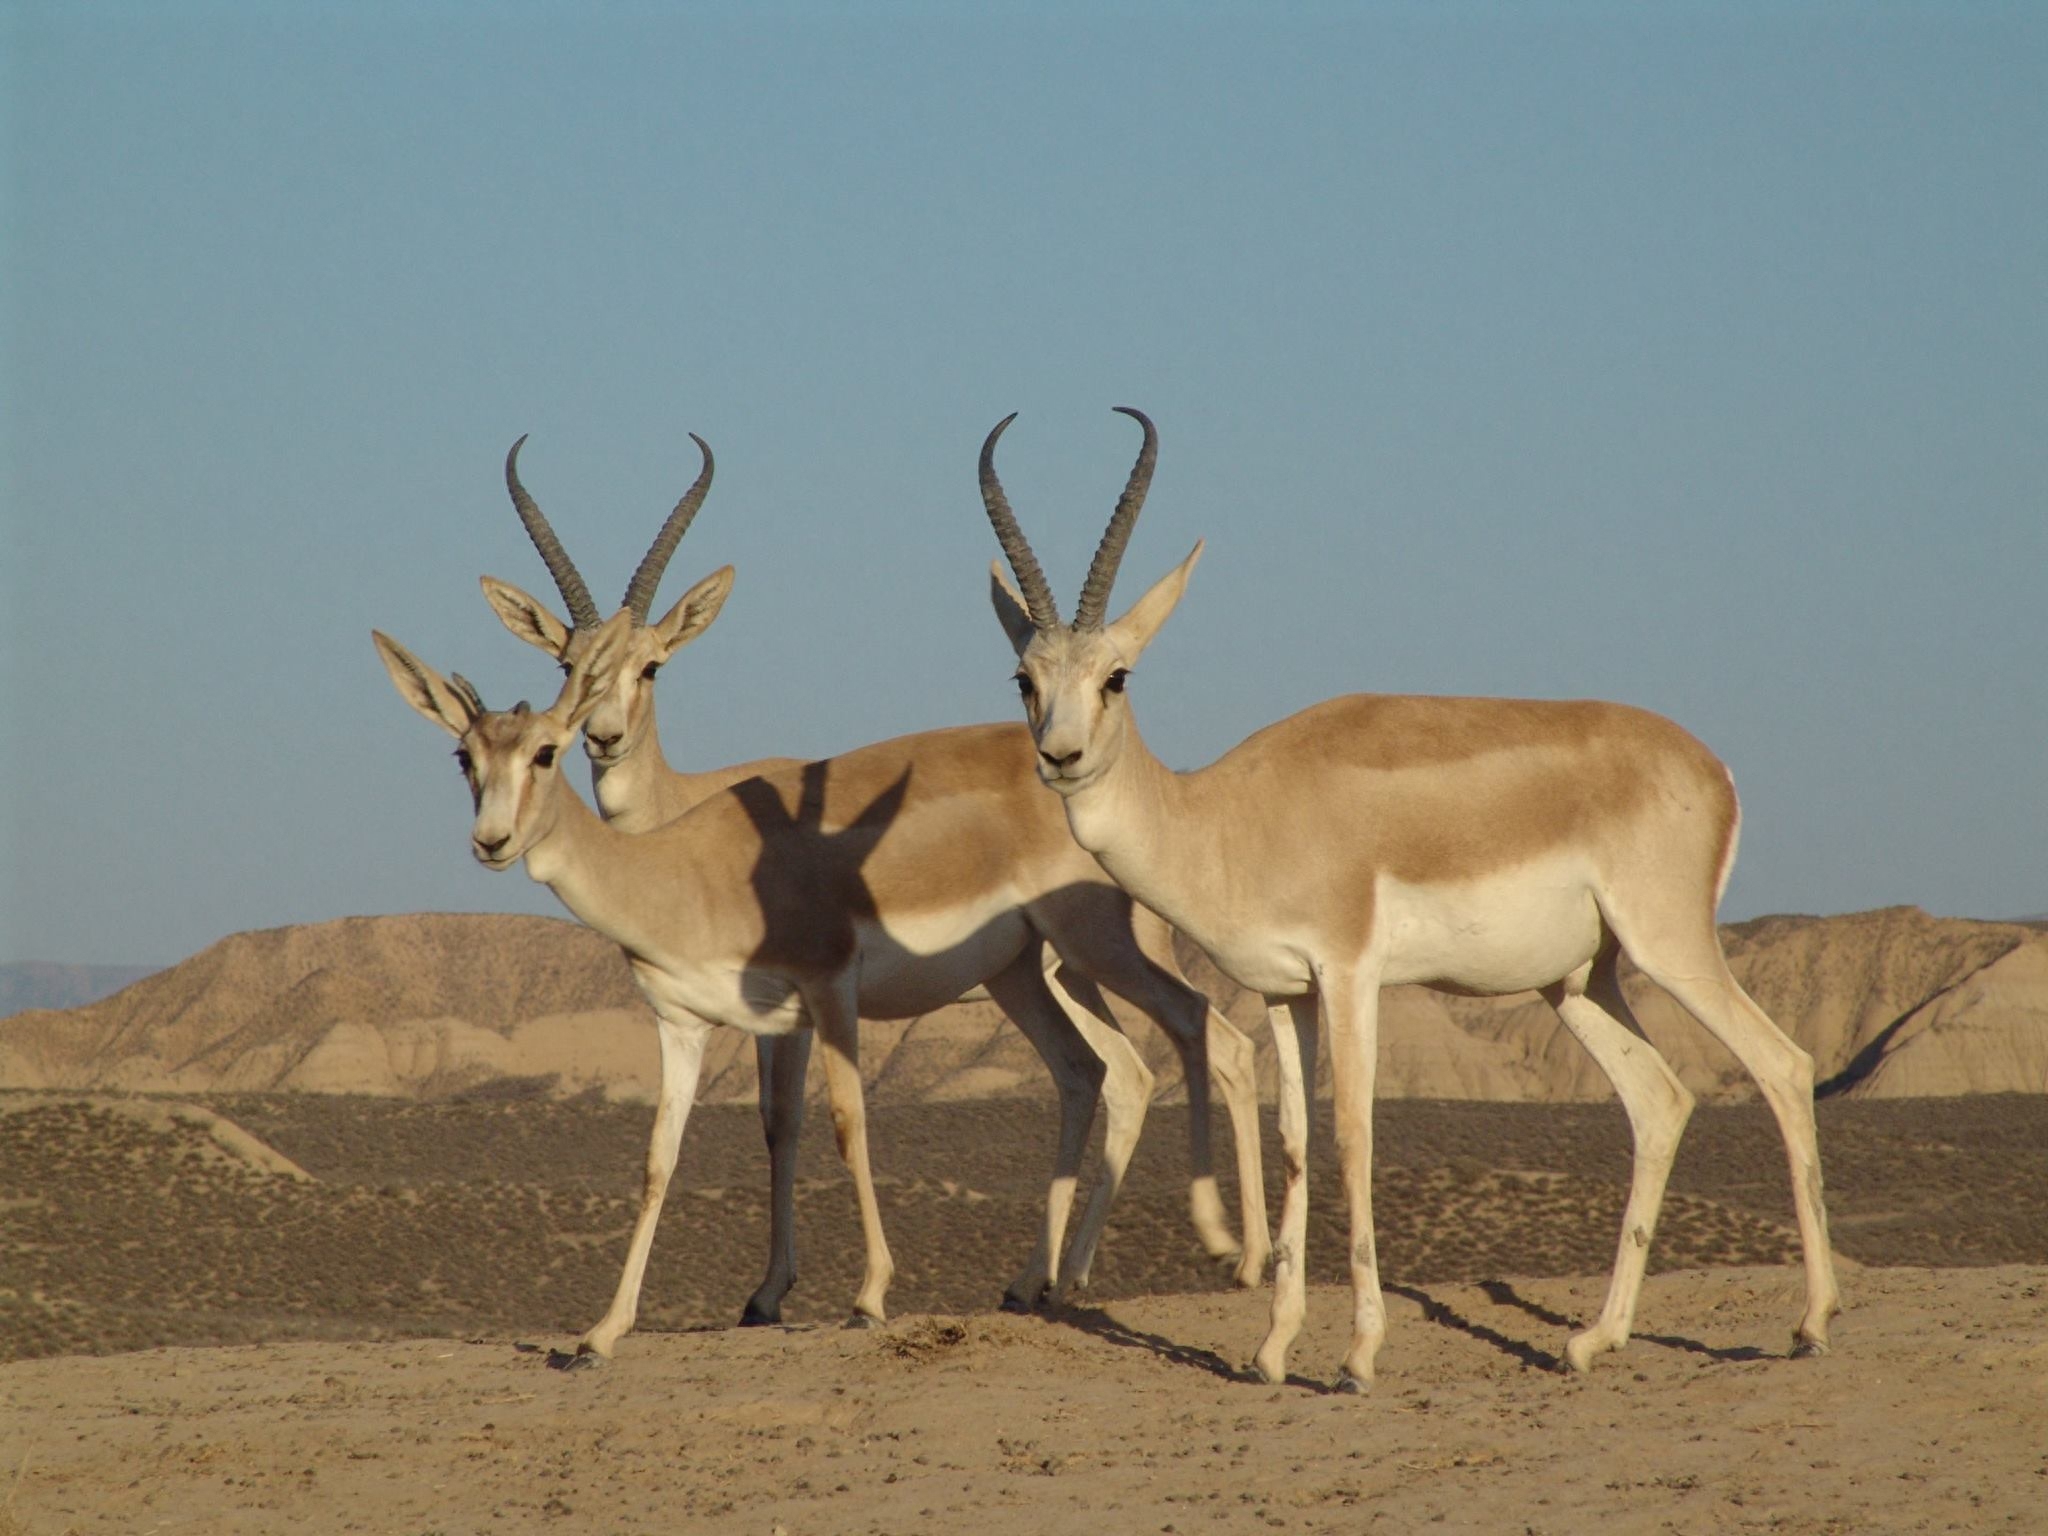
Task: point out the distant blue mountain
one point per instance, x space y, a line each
28 984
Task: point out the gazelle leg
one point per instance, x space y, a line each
832 1011
1126 1095
1020 989
1232 1061
1350 1010
1211 1049
1695 972
1591 1003
782 1060
682 1059
1293 1023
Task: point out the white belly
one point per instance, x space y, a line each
911 967
908 967
759 1002
1517 929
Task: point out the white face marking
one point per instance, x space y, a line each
618 724
514 762
1072 683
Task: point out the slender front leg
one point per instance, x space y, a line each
1293 1023
782 1060
1351 1005
832 1010
1025 993
1591 1003
1126 1094
682 1059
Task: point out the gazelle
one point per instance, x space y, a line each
1482 846
1103 939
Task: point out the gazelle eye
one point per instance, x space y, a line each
544 758
647 672
1023 682
567 669
1114 683
462 761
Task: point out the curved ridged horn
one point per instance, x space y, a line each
466 691
583 612
640 590
1038 600
1109 553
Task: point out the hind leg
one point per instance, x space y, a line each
1591 1004
830 1004
1687 962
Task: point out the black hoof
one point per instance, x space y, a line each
1025 1306
1348 1383
862 1320
760 1317
579 1360
1808 1349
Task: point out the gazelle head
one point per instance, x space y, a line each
1073 676
510 758
625 710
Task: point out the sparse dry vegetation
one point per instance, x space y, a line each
505 1213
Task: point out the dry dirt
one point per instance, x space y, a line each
351 1332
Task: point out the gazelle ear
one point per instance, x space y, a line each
595 671
1010 609
527 617
1134 631
693 613
424 688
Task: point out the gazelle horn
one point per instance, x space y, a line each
1109 553
1038 599
583 612
640 590
466 691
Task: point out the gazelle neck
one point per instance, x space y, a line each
642 792
634 793
583 861
1132 817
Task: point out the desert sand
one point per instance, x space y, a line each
329 1314
1127 1418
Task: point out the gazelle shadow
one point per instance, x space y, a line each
1502 1294
1447 1316
800 863
1097 1323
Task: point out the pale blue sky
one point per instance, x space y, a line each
1689 355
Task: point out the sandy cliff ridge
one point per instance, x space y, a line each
1892 1003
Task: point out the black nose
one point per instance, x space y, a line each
602 743
1063 762
491 849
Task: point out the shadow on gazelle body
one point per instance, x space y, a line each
883 882
1093 937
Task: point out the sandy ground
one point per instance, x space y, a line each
1931 1415
344 1325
